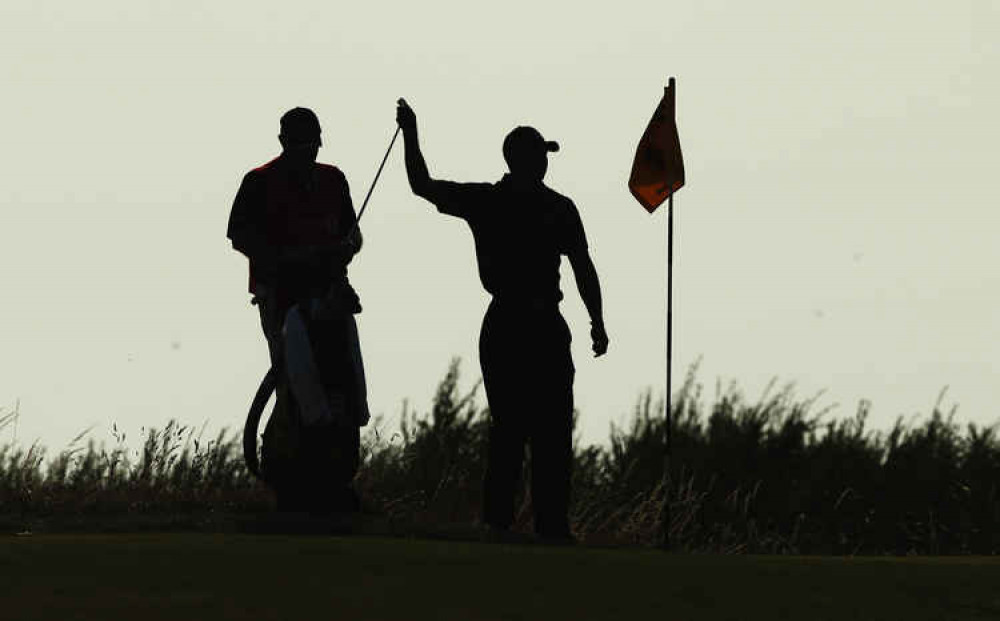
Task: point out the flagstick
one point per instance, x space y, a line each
667 482
669 401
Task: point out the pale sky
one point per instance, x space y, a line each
837 230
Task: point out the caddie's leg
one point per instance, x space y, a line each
280 453
280 447
272 314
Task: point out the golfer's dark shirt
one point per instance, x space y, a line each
520 234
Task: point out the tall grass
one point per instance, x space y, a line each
765 476
174 472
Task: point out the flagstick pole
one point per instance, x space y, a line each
667 480
667 483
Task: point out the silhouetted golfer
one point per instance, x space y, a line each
521 228
293 218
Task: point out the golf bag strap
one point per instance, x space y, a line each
267 386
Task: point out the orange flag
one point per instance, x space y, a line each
658 168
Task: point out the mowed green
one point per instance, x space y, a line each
199 576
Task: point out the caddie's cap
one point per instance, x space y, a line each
300 125
523 139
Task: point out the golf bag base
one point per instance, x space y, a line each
309 469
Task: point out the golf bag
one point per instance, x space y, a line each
311 444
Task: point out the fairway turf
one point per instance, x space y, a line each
199 576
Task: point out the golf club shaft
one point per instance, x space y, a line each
374 181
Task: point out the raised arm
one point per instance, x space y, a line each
450 198
416 168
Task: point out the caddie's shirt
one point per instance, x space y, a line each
275 209
520 233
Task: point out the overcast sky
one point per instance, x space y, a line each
838 229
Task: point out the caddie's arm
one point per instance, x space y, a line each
350 242
246 227
590 290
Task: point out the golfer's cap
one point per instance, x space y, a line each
300 125
523 138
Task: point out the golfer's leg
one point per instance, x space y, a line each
505 452
503 473
552 440
551 468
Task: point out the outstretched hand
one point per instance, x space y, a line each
405 117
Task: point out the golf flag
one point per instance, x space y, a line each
658 169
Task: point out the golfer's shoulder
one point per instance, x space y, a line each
557 200
477 187
457 198
463 190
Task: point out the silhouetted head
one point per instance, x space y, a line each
527 153
300 135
